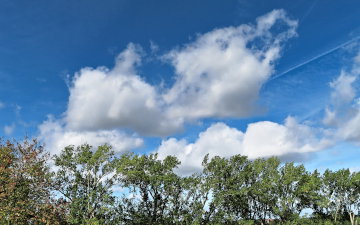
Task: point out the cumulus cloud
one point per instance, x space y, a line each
57 137
344 111
343 92
266 138
221 72
342 96
217 75
106 99
261 139
219 139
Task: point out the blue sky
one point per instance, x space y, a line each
186 78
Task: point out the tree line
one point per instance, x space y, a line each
89 185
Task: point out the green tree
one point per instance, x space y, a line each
227 181
84 179
294 192
262 186
342 191
155 194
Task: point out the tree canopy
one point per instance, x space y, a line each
87 185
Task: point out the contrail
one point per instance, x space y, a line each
315 58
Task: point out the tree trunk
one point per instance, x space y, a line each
352 218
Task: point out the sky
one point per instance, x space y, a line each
185 78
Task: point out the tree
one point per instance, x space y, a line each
294 190
262 186
342 191
26 185
84 180
227 181
157 194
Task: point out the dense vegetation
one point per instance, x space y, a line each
95 186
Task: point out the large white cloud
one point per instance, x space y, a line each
217 75
221 72
56 137
106 99
261 139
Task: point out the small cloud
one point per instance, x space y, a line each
9 129
154 47
2 105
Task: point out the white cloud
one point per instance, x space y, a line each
2 105
343 93
218 75
344 111
106 99
342 96
9 129
351 129
261 139
218 139
56 138
265 139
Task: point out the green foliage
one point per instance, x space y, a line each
295 190
231 190
84 179
342 192
227 180
158 195
263 186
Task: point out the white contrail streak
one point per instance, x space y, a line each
315 58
